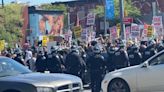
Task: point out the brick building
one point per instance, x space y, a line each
81 8
146 9
146 5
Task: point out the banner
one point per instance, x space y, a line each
84 34
127 30
110 9
113 32
144 33
159 32
44 41
150 31
68 35
93 35
158 26
2 45
135 32
91 19
157 21
77 31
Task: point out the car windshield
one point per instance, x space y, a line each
9 67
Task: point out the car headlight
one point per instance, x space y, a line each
44 89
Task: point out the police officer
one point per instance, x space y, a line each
160 47
19 57
150 50
135 57
53 62
110 59
129 47
96 64
74 63
121 57
40 62
142 47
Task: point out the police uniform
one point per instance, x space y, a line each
40 62
121 59
149 52
135 57
96 64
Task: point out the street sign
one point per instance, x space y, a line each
128 20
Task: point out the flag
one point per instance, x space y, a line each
110 9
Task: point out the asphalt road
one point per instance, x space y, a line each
87 90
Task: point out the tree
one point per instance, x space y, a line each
131 10
11 23
59 7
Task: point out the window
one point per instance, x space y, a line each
157 60
9 67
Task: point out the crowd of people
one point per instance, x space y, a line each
96 58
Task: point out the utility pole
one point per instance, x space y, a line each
123 35
68 17
105 28
104 3
154 8
2 4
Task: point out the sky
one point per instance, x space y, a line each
35 2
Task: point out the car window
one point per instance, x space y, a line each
9 67
157 60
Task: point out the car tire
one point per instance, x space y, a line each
118 85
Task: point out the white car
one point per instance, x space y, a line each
146 77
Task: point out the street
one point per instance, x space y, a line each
87 90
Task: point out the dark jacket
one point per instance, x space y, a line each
54 64
121 59
135 58
40 64
74 64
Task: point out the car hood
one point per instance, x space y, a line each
40 79
124 71
131 68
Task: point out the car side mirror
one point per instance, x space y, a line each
145 65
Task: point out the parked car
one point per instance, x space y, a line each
146 77
14 77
